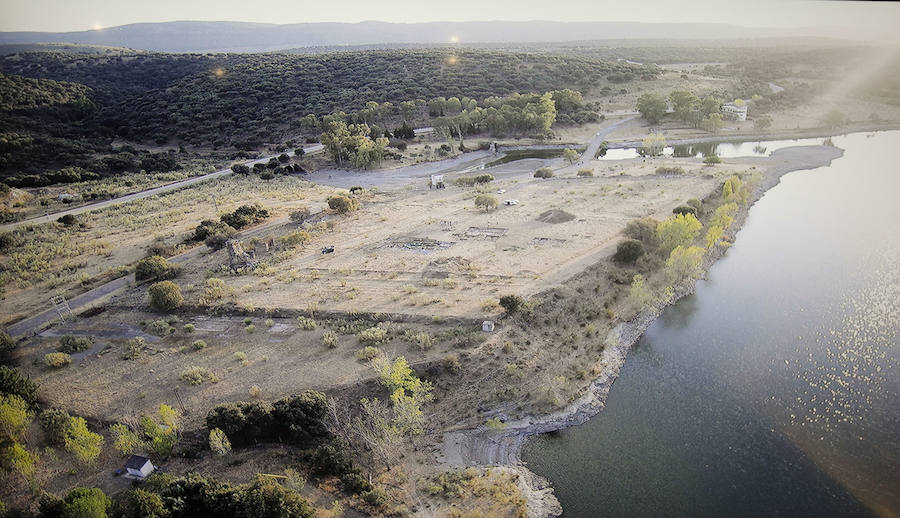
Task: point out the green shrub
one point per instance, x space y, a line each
372 335
664 170
188 328
486 202
484 178
295 239
342 204
464 181
628 251
165 296
368 353
330 339
250 328
585 172
57 360
71 344
544 172
134 348
306 323
195 375
684 209
198 345
155 267
694 202
712 159
159 327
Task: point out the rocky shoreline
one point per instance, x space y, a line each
484 447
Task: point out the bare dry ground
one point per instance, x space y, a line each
433 253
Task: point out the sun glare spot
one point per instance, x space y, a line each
98 27
452 60
454 39
220 72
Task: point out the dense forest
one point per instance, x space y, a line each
63 109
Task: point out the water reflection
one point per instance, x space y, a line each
722 149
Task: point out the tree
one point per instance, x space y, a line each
570 155
12 382
144 504
654 144
685 262
736 190
724 215
511 303
710 105
639 295
85 503
712 123
155 267
165 296
644 230
84 444
486 202
713 235
218 442
342 204
678 230
684 103
652 107
14 418
125 440
628 251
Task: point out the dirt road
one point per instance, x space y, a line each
144 194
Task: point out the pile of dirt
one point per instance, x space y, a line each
443 267
555 216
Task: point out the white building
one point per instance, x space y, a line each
139 467
487 326
734 112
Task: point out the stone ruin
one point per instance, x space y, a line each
237 257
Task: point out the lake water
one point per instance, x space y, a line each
722 149
775 389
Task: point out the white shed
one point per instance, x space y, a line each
139 467
487 326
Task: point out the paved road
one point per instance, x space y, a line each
598 139
314 148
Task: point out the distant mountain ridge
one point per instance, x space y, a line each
199 36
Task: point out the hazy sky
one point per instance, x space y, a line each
876 19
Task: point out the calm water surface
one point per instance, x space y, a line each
722 149
775 389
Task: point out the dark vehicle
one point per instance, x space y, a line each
328 249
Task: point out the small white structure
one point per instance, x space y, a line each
734 112
423 131
510 202
487 326
65 197
437 181
139 467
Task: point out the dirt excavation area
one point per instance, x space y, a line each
431 252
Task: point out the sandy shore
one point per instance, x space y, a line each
482 446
